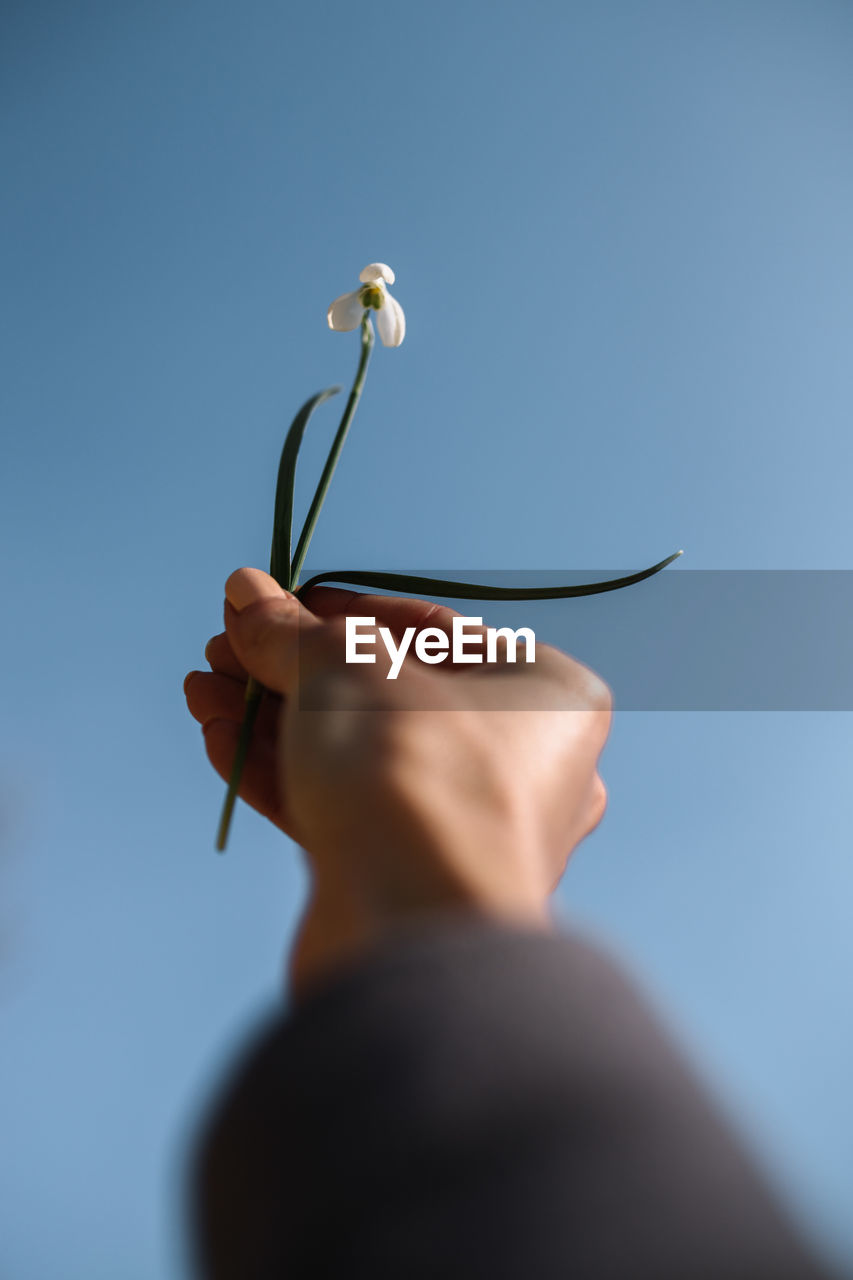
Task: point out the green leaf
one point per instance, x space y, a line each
283 518
472 591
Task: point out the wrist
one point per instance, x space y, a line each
441 827
427 853
338 928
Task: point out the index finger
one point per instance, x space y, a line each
395 612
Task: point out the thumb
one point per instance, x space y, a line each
268 629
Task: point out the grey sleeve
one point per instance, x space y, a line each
476 1100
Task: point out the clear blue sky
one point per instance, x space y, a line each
622 239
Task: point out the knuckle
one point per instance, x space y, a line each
598 692
599 801
585 688
593 693
439 616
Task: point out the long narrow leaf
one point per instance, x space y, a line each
472 591
280 570
283 519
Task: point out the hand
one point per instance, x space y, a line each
449 786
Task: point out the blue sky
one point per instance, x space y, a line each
621 237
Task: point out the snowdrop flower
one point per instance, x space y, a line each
347 311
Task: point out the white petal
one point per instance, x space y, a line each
376 271
391 322
345 312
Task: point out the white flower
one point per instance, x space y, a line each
346 312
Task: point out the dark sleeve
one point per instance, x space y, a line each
475 1100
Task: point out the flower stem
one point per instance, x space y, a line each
334 453
254 690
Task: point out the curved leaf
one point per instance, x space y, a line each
413 584
283 518
280 570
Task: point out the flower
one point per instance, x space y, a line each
347 311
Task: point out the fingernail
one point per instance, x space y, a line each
208 647
187 681
245 586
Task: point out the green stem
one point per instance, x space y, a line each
334 453
254 690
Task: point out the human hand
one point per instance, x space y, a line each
449 786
